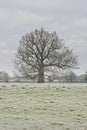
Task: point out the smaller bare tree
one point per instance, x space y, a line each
86 76
4 77
70 77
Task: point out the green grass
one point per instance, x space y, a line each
43 106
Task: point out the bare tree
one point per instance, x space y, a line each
40 50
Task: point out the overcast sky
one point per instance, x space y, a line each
67 17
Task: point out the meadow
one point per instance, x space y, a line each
48 106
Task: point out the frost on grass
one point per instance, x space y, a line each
43 107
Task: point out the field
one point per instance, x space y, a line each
43 106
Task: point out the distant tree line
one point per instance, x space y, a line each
67 77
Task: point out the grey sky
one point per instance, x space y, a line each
67 17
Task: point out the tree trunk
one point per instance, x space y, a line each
41 75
